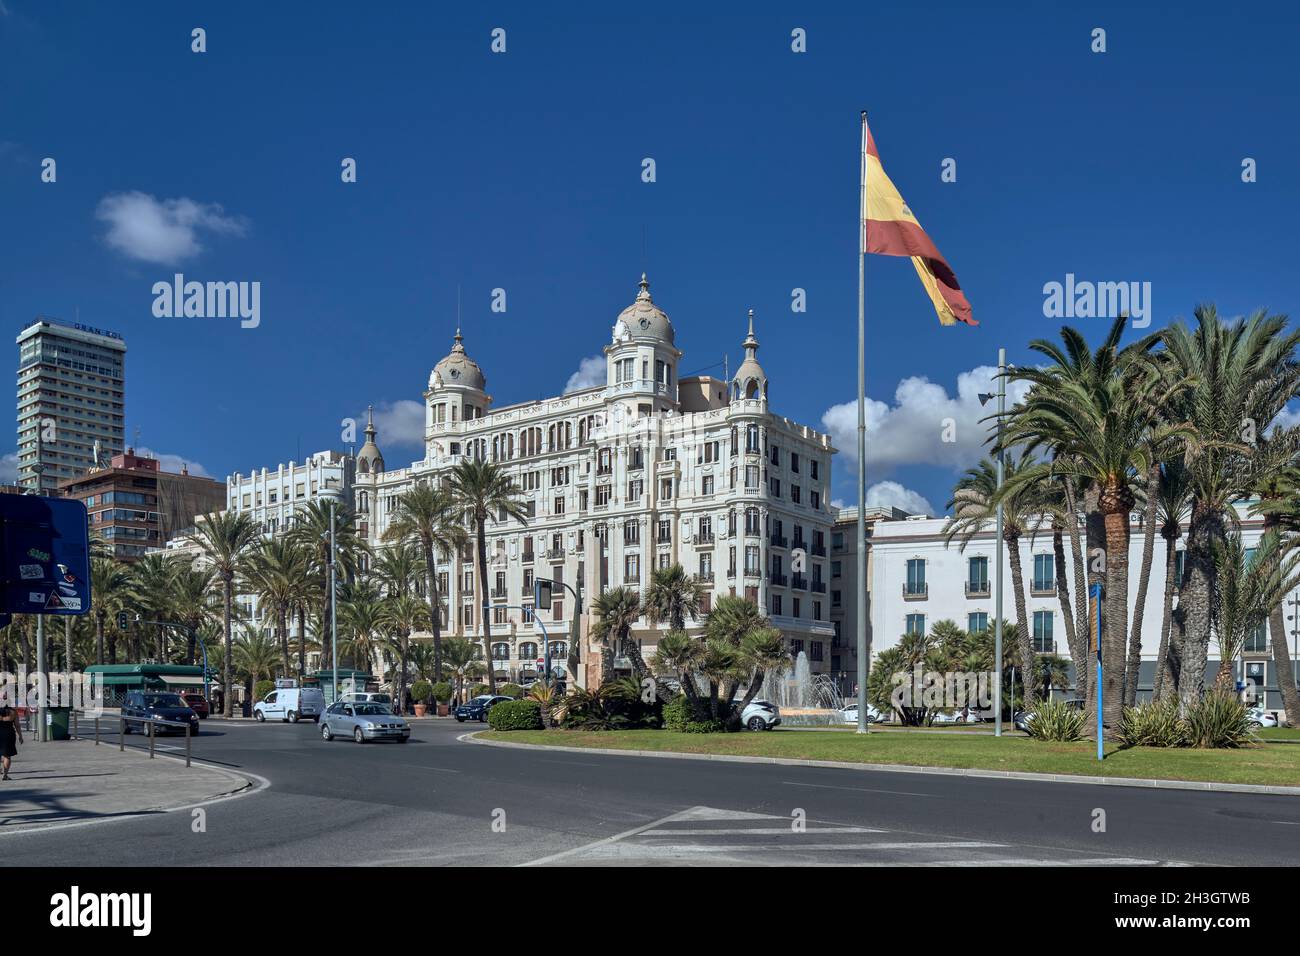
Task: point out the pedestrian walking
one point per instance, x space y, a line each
11 734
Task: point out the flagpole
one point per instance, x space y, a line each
863 648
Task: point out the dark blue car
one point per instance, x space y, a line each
159 705
477 709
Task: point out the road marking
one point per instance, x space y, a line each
764 831
1032 861
672 817
787 847
827 786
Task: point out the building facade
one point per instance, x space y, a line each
843 588
641 472
270 497
134 505
916 579
71 401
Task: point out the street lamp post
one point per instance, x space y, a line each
536 620
333 495
537 602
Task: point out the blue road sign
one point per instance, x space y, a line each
44 555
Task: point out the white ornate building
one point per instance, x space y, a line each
644 471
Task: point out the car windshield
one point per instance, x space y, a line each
371 710
163 700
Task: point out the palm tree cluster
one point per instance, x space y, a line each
1182 426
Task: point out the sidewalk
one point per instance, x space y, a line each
73 781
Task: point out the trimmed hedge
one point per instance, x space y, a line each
510 690
516 715
420 691
442 692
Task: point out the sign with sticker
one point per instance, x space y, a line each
44 540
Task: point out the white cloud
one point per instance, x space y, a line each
890 494
163 231
591 371
9 469
173 463
911 431
399 424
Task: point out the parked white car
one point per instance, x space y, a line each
761 715
1259 717
849 715
291 704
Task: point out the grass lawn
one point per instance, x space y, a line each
1280 733
1262 764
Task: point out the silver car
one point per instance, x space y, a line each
363 722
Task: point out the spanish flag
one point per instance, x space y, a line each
890 229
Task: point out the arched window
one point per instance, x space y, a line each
527 651
363 501
501 652
559 649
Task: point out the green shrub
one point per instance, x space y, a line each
511 690
516 715
1153 725
478 690
420 691
441 692
262 688
1218 720
1056 721
680 717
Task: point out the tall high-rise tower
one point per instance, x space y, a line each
71 394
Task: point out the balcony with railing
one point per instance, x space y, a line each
527 557
819 587
978 589
1039 588
554 554
915 592
704 538
780 580
800 582
779 541
705 575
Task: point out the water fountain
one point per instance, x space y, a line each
805 698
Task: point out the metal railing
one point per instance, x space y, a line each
121 730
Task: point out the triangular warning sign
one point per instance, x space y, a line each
54 601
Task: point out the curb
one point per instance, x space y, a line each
1144 782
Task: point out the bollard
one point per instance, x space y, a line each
96 731
151 740
73 729
188 734
121 734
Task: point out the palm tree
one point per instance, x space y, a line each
1173 499
1240 375
480 489
151 594
193 603
464 659
255 654
361 612
679 654
1250 586
276 570
672 596
313 522
1279 503
617 611
109 580
737 628
397 568
426 515
225 538
974 506
404 613
1103 426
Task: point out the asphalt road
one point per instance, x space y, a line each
441 800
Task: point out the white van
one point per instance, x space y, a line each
291 704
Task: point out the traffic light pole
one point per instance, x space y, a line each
537 602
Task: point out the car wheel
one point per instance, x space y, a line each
358 736
460 720
261 717
126 727
291 717
757 723
325 732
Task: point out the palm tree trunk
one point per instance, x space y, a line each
1200 580
1115 598
302 639
1282 666
283 616
1025 638
480 537
1164 676
401 691
227 676
1079 638
99 638
1095 528
1134 664
1063 595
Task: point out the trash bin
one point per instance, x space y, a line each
56 720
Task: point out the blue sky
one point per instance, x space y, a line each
522 171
